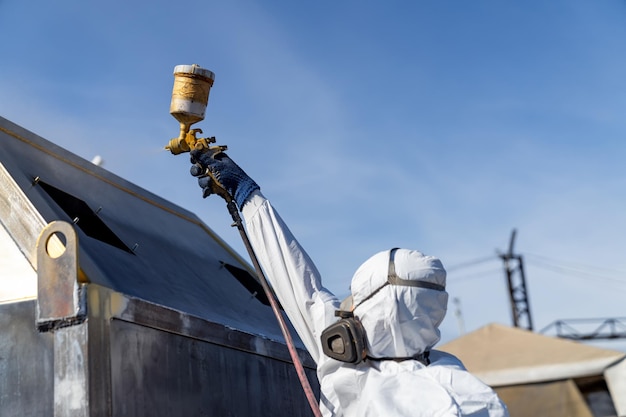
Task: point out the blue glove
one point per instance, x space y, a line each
229 175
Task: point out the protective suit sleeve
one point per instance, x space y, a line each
292 274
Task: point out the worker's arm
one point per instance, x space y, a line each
292 274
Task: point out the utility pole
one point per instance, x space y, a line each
516 281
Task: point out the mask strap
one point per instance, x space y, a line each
394 279
423 357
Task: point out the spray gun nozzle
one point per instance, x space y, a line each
176 146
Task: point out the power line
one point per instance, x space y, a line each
476 275
577 273
575 265
470 263
581 272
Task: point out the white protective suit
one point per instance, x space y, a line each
400 321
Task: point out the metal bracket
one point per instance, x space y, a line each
61 299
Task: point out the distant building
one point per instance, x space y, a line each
537 375
129 305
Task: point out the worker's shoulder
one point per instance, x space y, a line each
440 358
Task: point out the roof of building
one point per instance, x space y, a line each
130 240
502 355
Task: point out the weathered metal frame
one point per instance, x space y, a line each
19 216
81 318
79 362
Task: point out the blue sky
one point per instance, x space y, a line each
438 126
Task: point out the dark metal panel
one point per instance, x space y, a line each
158 373
147 333
158 317
26 363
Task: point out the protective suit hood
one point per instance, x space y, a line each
399 320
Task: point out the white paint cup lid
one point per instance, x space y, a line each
194 69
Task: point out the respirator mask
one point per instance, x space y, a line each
346 340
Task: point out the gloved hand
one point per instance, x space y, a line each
230 176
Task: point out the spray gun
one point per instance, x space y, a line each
190 96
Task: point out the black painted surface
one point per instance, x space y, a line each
158 373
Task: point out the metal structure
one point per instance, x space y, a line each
574 329
588 329
516 282
127 319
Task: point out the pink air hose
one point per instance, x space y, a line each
306 386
